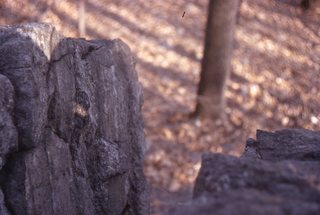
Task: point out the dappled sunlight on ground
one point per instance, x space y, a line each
275 80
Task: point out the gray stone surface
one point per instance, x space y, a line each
278 174
71 131
8 132
297 144
288 179
246 202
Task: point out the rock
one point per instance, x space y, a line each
295 180
251 151
278 174
8 132
72 137
246 202
296 144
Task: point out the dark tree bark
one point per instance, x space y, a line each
216 60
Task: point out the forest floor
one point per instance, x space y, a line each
275 79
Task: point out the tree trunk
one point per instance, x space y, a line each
310 4
216 60
82 18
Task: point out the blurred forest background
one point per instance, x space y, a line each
274 81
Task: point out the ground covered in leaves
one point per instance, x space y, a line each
275 79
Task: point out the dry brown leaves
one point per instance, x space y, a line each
275 80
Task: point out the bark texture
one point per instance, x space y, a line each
216 60
277 174
71 132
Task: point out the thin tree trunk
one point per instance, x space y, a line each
216 60
82 18
310 4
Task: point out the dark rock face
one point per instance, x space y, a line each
289 144
8 132
71 132
289 179
278 174
245 202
